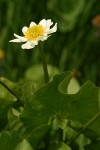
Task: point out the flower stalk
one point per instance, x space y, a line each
44 64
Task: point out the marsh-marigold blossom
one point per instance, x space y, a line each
35 33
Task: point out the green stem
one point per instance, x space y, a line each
46 76
47 139
60 135
92 120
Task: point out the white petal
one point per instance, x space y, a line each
22 39
43 38
45 34
54 29
16 40
35 42
24 29
32 24
28 45
43 22
49 23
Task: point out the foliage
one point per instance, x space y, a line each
48 111
74 47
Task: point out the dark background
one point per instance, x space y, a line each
75 46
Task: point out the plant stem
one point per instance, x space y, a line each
47 139
92 120
60 135
46 76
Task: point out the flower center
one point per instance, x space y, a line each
34 32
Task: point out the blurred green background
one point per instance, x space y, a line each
75 46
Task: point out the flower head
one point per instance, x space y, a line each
35 33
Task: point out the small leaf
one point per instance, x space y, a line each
73 86
61 122
24 145
14 121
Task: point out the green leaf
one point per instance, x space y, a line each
92 134
51 101
15 123
73 86
6 101
59 146
7 82
24 145
18 88
93 146
35 123
28 90
61 122
11 141
8 141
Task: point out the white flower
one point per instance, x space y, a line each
35 33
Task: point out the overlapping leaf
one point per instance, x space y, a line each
52 101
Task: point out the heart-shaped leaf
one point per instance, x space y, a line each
51 101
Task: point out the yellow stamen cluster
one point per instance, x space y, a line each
34 32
